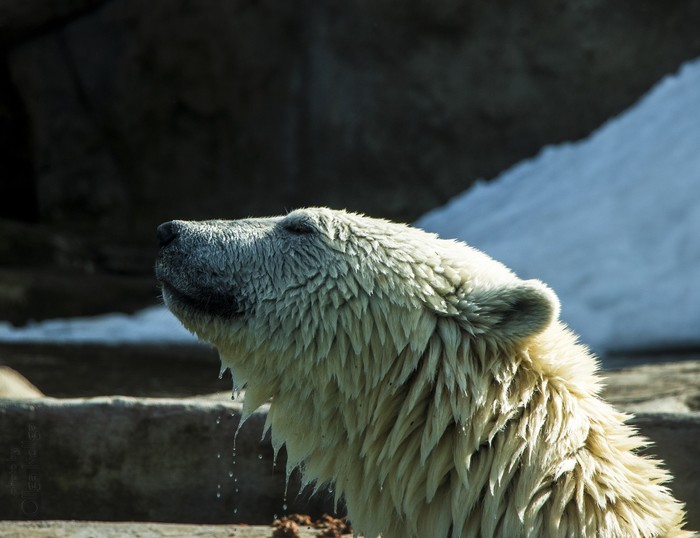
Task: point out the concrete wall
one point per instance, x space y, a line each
130 459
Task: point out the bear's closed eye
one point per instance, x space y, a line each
298 226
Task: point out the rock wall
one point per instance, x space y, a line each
173 461
143 460
122 114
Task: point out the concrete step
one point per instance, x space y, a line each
101 529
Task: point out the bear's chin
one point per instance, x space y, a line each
215 305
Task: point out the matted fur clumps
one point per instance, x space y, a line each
433 387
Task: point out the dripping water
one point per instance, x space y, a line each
218 457
232 472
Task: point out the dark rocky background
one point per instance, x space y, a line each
117 115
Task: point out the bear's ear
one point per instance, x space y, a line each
514 312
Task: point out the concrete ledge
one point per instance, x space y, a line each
91 370
71 529
135 459
129 459
676 440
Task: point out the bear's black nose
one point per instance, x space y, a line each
167 232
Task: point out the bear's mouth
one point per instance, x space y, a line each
215 304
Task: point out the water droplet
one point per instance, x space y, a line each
237 490
230 474
274 516
235 510
218 456
235 479
259 456
218 495
284 506
218 420
286 482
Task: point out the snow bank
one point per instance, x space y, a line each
152 325
612 222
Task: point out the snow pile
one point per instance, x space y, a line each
611 223
151 325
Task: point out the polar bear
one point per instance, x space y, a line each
435 389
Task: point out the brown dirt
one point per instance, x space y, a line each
328 527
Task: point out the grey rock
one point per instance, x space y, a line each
23 18
173 460
424 97
43 268
90 529
675 440
142 112
89 370
665 387
146 112
165 459
37 294
128 459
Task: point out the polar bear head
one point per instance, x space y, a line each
318 283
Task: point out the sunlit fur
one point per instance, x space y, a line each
436 390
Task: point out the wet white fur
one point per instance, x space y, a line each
435 389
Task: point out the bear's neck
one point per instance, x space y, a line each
465 434
429 410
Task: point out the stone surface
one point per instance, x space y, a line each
140 112
675 440
47 273
172 460
429 96
174 109
36 294
666 387
74 371
165 459
20 19
89 529
127 459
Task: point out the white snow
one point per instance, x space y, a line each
149 326
611 223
